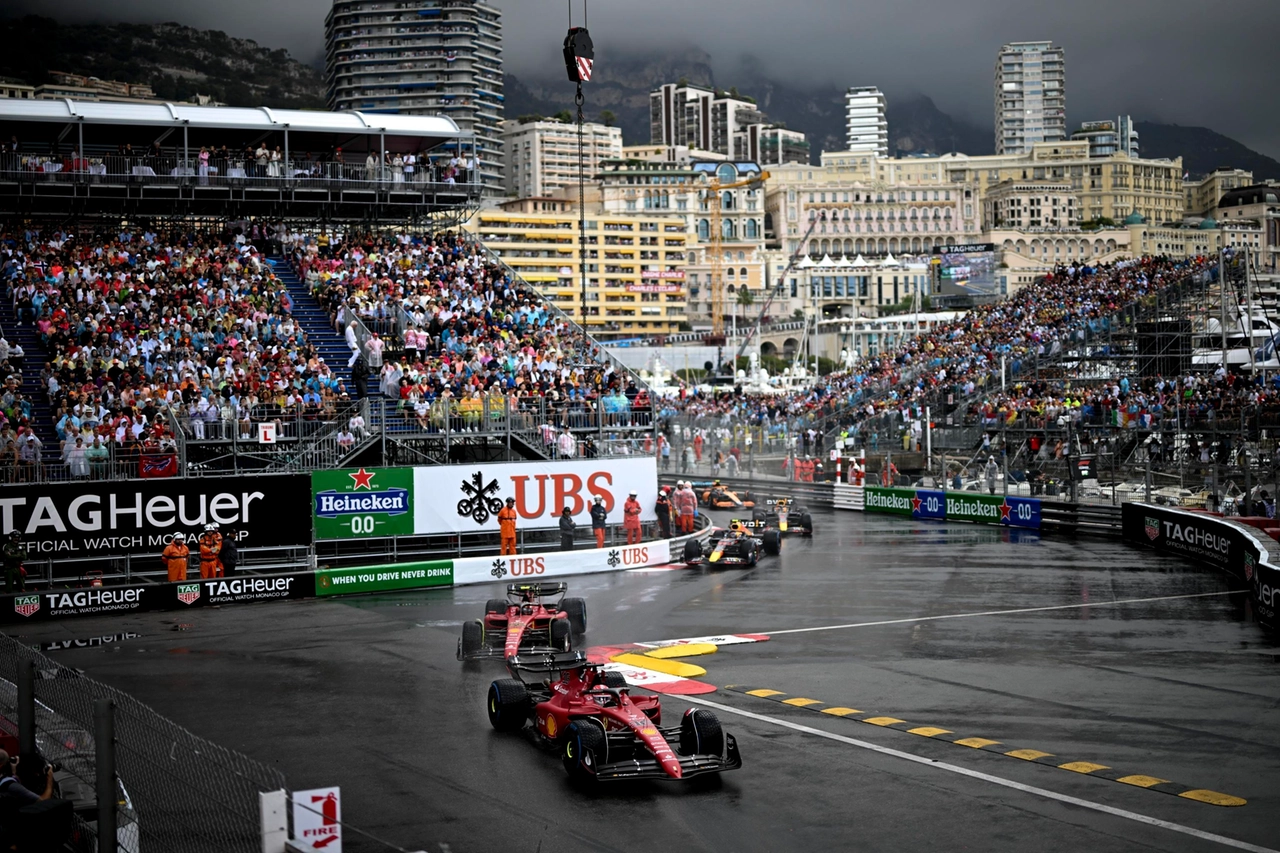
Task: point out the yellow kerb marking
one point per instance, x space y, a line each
765 694
1141 781
685 650
670 667
1083 766
841 712
801 702
976 742
1213 798
929 731
1029 754
883 721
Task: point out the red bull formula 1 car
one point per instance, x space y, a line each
534 617
784 515
602 732
742 543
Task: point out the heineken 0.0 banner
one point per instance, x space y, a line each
362 504
993 509
384 578
376 502
912 503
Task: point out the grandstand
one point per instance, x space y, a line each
201 290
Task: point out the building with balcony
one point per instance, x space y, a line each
1110 137
542 156
636 279
422 57
1030 204
867 128
1030 96
1203 194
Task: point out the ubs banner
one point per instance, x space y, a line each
378 502
140 516
1208 539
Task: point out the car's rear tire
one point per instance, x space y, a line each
495 605
583 737
772 542
472 637
577 610
692 551
700 733
614 679
508 705
558 630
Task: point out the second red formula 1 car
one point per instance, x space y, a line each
535 617
604 733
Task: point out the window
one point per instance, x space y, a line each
704 230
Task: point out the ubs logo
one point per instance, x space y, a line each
481 499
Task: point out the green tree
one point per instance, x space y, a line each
564 116
608 117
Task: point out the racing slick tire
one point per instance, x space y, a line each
584 736
495 605
577 610
806 524
558 631
692 551
700 733
508 705
772 540
614 679
472 638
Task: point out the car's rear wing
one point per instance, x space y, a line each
555 662
538 590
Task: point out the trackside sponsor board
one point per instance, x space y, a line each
559 563
64 520
240 589
912 503
362 504
993 509
467 498
1208 539
384 578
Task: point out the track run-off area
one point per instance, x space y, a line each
922 686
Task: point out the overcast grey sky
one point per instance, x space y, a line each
1181 61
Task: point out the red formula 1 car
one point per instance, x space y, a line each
604 733
535 617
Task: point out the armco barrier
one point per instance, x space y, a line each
560 563
1235 548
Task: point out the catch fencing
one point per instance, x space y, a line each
176 792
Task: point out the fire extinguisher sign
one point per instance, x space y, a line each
317 820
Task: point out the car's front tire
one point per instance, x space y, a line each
508 705
585 749
772 541
472 638
700 733
692 551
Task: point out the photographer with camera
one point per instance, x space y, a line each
31 822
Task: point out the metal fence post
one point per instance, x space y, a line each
26 707
104 743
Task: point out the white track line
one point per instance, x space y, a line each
986 777
1001 612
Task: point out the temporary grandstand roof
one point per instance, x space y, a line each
343 127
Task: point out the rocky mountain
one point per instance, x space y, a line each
176 61
1202 150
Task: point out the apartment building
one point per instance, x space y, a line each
867 127
422 57
1109 137
635 264
542 156
1030 96
1203 194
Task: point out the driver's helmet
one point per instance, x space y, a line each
736 526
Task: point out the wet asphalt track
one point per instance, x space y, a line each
366 693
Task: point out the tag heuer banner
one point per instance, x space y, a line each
1207 539
379 502
64 520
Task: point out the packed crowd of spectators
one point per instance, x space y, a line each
456 342
1039 320
151 331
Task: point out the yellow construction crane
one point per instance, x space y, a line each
714 189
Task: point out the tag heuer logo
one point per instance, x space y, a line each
1153 528
1248 567
188 592
26 605
614 559
499 569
